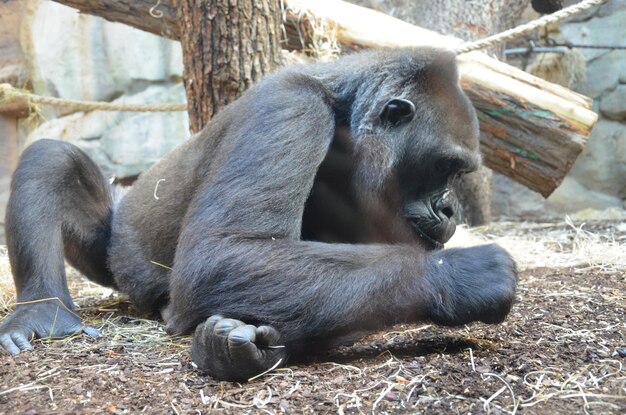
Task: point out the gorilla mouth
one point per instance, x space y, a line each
431 244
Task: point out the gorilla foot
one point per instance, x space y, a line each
45 319
231 350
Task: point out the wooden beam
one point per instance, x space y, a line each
160 19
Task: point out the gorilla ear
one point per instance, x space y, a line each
398 111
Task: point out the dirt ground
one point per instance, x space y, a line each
561 351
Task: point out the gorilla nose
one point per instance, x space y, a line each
433 218
443 207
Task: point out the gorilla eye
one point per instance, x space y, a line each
398 111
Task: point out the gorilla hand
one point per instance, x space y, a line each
228 349
470 284
46 319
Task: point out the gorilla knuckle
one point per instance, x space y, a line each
214 319
242 335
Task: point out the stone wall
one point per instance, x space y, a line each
77 56
602 166
13 71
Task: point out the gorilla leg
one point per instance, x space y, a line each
60 204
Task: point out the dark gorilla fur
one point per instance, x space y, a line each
312 209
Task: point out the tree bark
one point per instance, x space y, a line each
227 46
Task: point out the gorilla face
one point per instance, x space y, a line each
433 154
430 154
351 202
389 172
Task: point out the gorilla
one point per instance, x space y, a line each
310 211
547 6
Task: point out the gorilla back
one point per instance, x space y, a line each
313 208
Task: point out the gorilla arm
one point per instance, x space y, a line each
315 292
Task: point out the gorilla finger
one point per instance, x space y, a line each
242 348
242 335
213 338
202 336
267 336
21 341
212 321
225 326
7 344
91 332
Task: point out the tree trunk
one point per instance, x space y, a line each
227 46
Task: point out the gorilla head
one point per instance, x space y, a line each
410 133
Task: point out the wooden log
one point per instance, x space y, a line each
533 130
159 18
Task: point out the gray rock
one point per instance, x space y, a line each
609 30
613 105
620 160
572 196
122 143
11 58
138 142
611 7
513 200
77 56
602 165
604 73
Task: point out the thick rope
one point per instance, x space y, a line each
8 92
529 27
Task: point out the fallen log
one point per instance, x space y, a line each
532 130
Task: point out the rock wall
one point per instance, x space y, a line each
77 56
602 166
13 71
